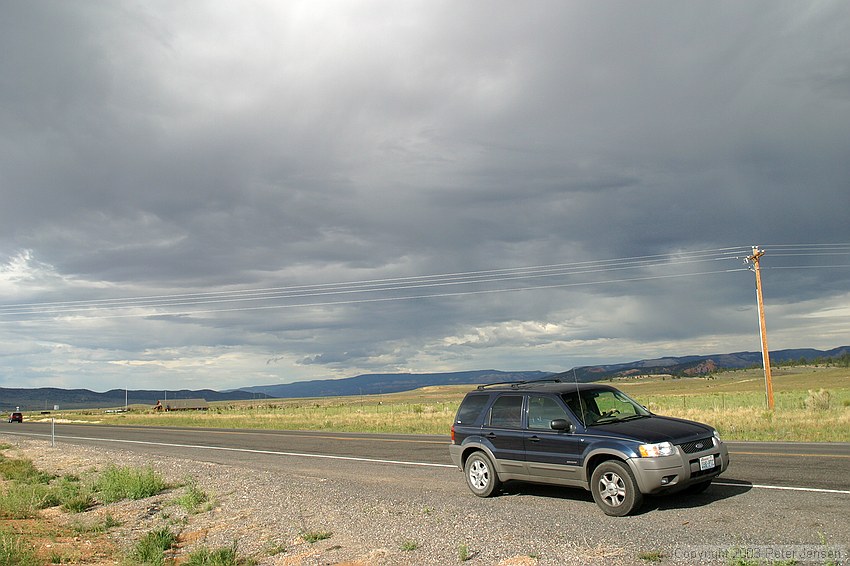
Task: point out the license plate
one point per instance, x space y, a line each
706 463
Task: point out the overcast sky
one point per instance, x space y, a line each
219 194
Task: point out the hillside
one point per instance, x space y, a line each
371 384
687 366
45 398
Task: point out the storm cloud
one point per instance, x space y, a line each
202 152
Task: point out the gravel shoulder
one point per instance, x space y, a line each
378 513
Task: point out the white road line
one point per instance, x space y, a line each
784 488
252 451
396 462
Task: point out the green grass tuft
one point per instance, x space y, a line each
315 536
651 556
224 556
22 500
15 551
117 483
193 499
22 471
151 548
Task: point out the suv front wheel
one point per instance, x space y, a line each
614 489
480 475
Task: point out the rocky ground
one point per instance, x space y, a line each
372 513
268 519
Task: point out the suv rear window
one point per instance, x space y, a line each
507 412
471 408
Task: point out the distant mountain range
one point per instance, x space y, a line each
372 384
45 398
688 366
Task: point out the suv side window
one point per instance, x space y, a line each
471 408
507 412
542 411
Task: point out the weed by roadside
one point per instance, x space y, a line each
651 556
22 471
22 501
224 556
116 483
194 500
14 550
151 548
315 536
102 526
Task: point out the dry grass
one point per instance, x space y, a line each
733 402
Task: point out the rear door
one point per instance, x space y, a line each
503 429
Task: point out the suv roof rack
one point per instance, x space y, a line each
517 384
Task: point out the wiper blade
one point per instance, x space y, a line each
607 420
633 417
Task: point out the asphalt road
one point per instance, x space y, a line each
819 466
372 489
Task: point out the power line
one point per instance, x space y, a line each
403 298
371 286
401 287
469 276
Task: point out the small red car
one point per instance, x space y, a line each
16 418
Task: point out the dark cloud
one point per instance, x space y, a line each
189 148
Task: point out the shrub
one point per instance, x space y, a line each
818 400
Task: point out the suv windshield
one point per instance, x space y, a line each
603 406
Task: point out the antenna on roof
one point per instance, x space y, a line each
580 416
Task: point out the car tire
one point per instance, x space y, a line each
614 489
481 475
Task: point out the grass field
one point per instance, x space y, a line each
811 404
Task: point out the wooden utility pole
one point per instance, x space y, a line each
765 355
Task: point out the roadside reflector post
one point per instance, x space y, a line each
53 431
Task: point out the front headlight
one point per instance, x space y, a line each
716 437
656 450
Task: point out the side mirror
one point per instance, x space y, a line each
562 425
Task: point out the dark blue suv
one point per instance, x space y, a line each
580 435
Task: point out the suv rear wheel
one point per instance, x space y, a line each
614 489
480 475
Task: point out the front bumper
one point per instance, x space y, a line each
656 475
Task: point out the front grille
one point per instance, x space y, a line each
697 445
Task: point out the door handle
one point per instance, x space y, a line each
534 438
492 435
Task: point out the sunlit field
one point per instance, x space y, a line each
811 404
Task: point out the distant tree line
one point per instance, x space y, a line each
841 361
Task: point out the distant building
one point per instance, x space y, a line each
182 405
